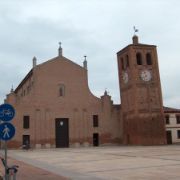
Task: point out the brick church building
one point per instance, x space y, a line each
55 107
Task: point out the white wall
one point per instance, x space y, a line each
173 127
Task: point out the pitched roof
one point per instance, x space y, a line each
117 106
171 110
135 45
30 73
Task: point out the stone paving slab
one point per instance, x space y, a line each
117 162
28 172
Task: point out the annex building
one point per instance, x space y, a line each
55 107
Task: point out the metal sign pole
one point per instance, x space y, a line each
5 154
7 130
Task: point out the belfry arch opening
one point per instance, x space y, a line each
139 59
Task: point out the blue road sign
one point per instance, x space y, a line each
7 112
7 131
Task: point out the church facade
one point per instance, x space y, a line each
55 107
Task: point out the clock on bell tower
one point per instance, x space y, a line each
141 96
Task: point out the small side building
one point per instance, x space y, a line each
172 120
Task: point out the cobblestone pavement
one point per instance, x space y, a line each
108 163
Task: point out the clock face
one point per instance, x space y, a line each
146 75
125 77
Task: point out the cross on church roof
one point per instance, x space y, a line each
60 49
60 44
85 57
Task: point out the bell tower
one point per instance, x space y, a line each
141 96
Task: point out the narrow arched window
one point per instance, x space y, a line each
122 63
148 59
139 59
127 60
61 90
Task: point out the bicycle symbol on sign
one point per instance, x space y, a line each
6 112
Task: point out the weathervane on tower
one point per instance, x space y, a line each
135 30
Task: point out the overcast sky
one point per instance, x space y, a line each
96 28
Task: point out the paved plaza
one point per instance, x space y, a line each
115 162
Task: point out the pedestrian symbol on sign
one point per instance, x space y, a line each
7 131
